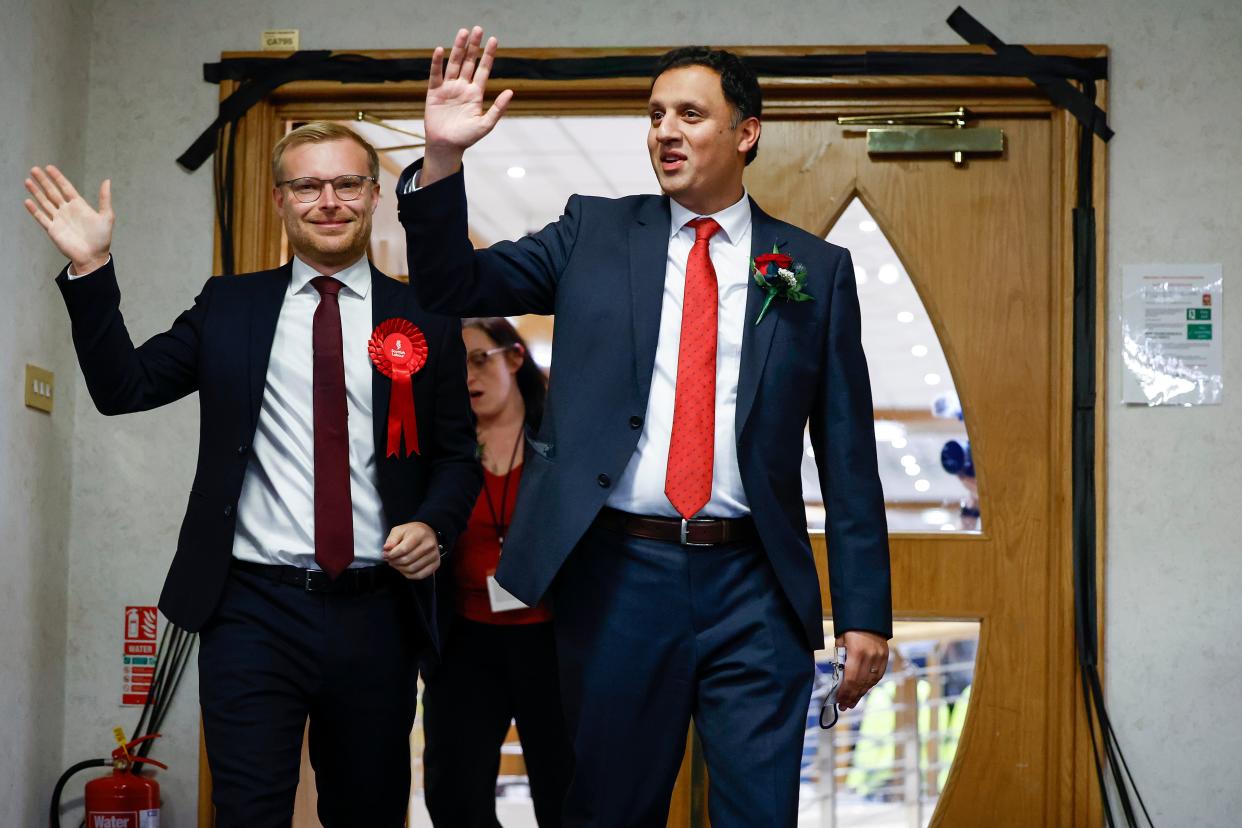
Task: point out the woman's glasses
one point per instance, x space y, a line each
477 359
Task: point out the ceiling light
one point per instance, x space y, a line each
867 226
947 527
860 274
932 379
913 470
936 517
888 274
919 350
517 172
899 442
921 485
905 316
907 459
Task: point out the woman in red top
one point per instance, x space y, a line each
498 664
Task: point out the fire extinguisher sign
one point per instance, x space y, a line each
138 657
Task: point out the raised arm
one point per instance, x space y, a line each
453 119
120 377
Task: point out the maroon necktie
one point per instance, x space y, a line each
688 480
334 512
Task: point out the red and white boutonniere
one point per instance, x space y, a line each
780 277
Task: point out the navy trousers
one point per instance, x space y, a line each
274 655
651 635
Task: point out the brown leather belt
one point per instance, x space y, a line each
695 532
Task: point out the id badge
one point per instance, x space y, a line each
499 597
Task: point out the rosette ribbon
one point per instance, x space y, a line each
398 350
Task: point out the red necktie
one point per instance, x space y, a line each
688 481
334 513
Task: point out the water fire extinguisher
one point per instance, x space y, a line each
124 799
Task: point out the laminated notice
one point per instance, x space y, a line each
1171 334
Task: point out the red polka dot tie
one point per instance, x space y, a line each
688 481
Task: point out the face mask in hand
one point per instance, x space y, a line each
833 683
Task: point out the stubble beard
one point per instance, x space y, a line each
313 249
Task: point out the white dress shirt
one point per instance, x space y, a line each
640 489
276 511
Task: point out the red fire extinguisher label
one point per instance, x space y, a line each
124 819
138 658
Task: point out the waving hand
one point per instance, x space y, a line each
454 119
82 233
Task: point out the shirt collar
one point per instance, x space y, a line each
734 220
356 278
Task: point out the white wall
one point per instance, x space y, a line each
1173 571
43 63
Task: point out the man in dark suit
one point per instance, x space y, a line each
662 507
316 489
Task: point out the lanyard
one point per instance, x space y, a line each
499 521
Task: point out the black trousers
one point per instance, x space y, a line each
274 655
489 675
652 634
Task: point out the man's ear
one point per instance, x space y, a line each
278 198
748 134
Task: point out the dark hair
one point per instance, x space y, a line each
737 80
531 383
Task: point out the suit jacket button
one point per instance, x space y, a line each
604 481
228 511
242 449
636 422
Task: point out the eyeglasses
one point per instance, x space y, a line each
346 187
478 359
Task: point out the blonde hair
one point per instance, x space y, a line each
318 132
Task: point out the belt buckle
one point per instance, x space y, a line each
317 581
684 534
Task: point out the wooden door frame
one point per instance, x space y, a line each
1071 793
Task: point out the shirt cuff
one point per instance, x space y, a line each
412 184
69 270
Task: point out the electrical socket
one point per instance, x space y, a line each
40 384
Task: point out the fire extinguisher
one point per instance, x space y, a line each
124 799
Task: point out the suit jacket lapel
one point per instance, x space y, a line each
386 302
648 262
264 314
756 340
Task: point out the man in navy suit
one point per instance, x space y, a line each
661 508
306 556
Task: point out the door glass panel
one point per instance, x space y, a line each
884 763
922 446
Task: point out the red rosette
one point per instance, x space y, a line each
398 350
